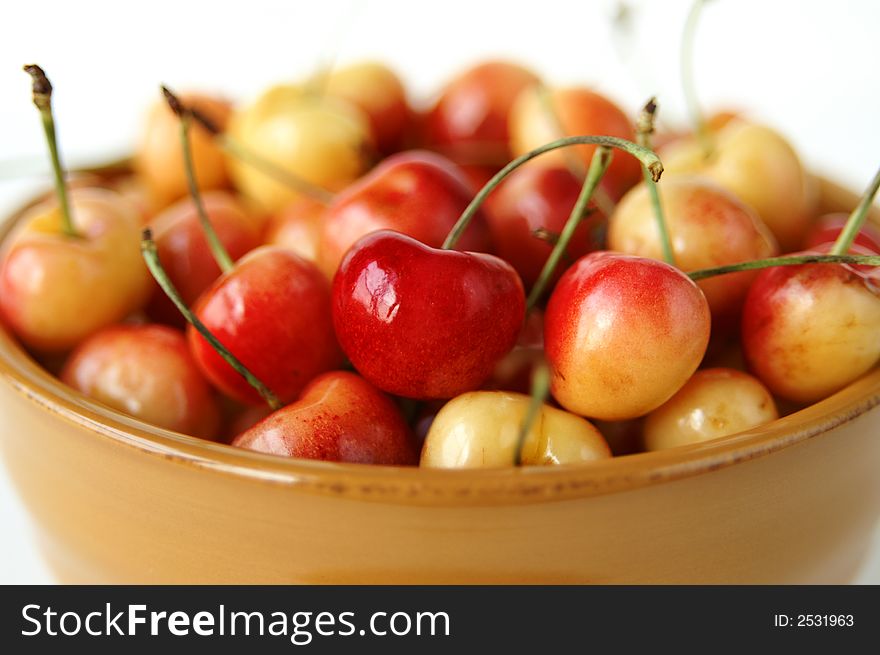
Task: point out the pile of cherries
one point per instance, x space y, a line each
331 273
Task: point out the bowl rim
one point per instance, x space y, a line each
417 486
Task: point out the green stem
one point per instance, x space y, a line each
42 94
857 219
644 130
151 257
687 78
540 391
647 157
788 260
598 166
218 250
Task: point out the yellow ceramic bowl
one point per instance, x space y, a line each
115 500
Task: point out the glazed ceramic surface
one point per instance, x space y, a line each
117 501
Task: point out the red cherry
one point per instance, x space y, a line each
829 227
272 311
417 193
470 118
421 322
340 418
533 198
623 334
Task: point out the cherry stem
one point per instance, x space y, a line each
574 163
687 78
218 250
857 219
265 166
644 130
540 391
42 93
598 166
151 257
788 260
647 157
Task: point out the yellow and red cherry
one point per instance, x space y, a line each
321 141
417 193
339 418
538 200
715 402
377 91
540 116
481 430
71 265
425 323
158 161
622 334
146 371
708 226
760 167
469 122
185 252
809 330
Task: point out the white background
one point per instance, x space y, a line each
807 68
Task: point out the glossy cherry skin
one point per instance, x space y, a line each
339 418
828 227
417 193
470 119
532 198
575 111
808 331
57 290
146 371
425 323
272 311
184 251
622 335
159 157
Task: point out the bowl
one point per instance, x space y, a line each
117 501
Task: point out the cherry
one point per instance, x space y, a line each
759 166
272 311
514 371
708 226
314 140
478 430
810 330
421 322
469 122
186 253
714 403
417 193
540 116
623 334
341 418
538 199
158 162
148 372
70 267
377 91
